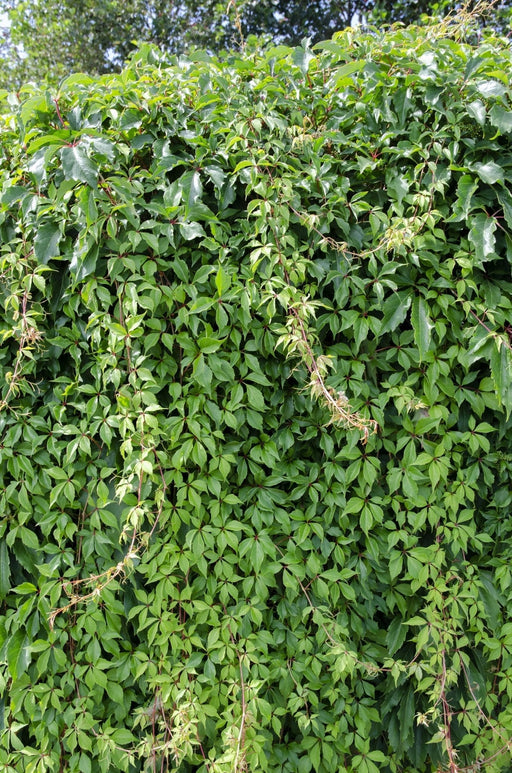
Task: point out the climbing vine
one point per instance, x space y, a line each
255 411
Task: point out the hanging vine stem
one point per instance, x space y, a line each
237 22
298 339
136 538
29 338
100 581
422 718
137 544
239 763
298 342
336 402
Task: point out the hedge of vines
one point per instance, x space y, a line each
255 419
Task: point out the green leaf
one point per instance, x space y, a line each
302 58
25 587
397 185
191 231
201 372
491 88
77 166
222 281
366 519
482 236
191 188
46 243
505 199
103 147
501 118
489 596
341 74
476 110
477 683
18 656
84 260
395 311
13 193
80 79
395 635
466 188
422 326
209 345
5 569
123 737
406 716
378 756
489 172
85 763
255 398
501 369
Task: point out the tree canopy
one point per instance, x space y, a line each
49 39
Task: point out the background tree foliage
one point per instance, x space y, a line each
49 39
217 275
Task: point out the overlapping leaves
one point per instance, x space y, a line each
198 570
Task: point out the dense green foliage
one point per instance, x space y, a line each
50 39
215 276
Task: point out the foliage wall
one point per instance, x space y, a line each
46 40
255 438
